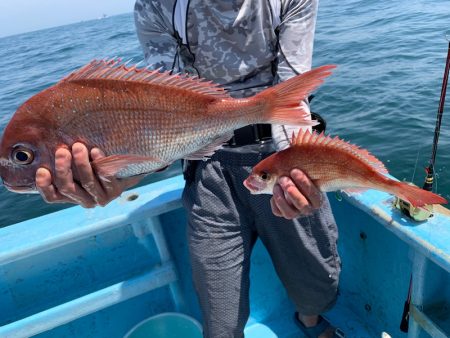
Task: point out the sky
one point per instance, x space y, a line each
20 16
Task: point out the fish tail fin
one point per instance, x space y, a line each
417 196
282 102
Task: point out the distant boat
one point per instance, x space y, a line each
104 16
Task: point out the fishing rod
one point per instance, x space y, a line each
428 185
423 213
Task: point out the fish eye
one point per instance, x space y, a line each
264 176
21 155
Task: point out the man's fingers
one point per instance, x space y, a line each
86 175
111 186
79 196
63 180
47 189
307 188
96 154
294 196
286 209
63 171
43 178
91 189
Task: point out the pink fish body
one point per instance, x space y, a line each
143 120
333 164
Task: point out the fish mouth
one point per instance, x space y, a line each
21 189
249 183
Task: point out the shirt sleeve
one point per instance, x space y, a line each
295 48
153 21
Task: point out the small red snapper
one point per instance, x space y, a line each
143 120
333 164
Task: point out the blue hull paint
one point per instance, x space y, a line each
97 273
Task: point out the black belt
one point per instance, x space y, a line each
251 134
261 133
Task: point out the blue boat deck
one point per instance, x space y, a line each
97 273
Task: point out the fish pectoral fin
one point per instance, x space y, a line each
111 166
210 149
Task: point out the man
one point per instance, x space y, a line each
246 46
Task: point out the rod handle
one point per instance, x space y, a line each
404 324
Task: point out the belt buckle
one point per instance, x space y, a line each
261 131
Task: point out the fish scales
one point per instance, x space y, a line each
142 120
333 164
168 128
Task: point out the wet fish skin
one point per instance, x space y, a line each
143 120
333 164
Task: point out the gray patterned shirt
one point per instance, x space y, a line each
244 45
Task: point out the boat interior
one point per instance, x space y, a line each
101 272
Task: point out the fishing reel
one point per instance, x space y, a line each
419 214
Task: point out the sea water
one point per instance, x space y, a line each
383 96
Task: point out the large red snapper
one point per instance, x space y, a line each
333 164
143 120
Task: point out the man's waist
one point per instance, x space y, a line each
251 134
262 133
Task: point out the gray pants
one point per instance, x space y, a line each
224 222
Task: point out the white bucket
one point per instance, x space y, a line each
167 325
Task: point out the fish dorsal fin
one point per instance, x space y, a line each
305 137
114 69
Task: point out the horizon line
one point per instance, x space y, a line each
67 24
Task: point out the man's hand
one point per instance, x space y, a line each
295 196
90 191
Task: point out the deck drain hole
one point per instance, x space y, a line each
132 197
